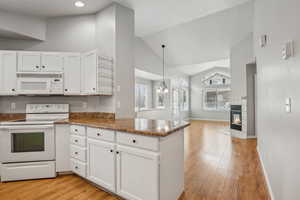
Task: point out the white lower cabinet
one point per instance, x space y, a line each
137 174
101 163
135 167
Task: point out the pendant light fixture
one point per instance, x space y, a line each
163 86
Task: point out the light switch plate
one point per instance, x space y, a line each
13 106
288 50
288 105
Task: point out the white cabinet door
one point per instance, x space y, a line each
29 61
89 68
8 69
137 174
62 139
101 163
72 74
52 62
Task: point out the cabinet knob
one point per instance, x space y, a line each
98 134
76 130
134 141
13 90
117 152
94 88
111 150
43 67
37 67
76 153
66 90
76 141
76 167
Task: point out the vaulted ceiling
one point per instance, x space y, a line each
151 15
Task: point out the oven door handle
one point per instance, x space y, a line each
19 127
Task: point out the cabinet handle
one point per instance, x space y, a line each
134 141
111 150
76 153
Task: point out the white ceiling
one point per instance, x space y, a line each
147 75
205 39
151 15
197 68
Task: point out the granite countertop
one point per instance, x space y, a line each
137 126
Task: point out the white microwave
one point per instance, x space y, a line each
40 85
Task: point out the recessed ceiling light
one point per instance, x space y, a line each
79 4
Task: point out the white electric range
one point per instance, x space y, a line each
27 147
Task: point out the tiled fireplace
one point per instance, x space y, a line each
236 117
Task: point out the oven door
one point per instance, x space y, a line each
27 143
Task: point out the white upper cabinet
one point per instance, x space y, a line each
8 68
29 61
137 174
101 163
89 73
51 62
72 74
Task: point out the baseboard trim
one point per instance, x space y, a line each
265 175
252 137
206 119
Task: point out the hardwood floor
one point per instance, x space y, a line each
217 167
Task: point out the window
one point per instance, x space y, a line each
216 99
141 97
160 100
216 92
185 100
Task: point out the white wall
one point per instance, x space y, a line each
74 34
241 54
27 26
124 62
278 131
196 84
94 104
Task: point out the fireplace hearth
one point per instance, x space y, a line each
236 117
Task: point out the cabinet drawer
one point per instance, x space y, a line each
140 141
78 153
78 140
78 167
101 134
77 130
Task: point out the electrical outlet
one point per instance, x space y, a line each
13 106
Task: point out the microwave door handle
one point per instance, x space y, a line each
23 127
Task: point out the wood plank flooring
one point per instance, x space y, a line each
217 167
